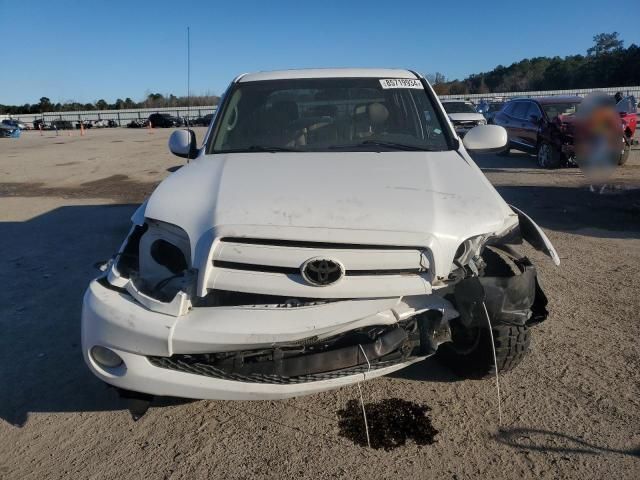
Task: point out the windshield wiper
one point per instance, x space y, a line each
267 148
381 143
259 148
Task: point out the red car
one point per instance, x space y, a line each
629 115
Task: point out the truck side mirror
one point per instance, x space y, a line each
183 143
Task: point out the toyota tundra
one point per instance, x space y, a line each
331 227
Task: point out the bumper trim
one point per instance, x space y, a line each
213 372
142 376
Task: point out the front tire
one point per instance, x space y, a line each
469 354
624 156
548 156
472 357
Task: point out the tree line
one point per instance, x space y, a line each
606 64
152 100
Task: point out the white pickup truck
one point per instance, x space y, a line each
330 228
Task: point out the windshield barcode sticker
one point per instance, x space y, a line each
400 83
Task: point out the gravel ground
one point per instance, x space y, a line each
571 410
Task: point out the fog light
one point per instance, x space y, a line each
105 357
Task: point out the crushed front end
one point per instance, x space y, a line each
264 318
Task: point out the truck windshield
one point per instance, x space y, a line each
554 109
348 114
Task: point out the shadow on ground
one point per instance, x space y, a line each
553 442
615 213
46 265
429 370
569 209
502 163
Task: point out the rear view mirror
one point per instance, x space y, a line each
183 144
485 139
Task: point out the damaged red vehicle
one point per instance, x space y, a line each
546 127
628 110
543 126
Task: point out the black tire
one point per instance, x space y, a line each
548 156
469 354
624 156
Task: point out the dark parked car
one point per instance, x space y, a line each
85 124
489 110
542 126
9 122
8 131
62 125
203 121
164 120
40 123
137 123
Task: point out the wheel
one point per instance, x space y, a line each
624 156
548 156
469 354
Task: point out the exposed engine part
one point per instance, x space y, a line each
225 298
510 300
367 347
168 255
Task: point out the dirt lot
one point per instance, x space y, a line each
572 409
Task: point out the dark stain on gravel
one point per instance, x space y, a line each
116 187
391 422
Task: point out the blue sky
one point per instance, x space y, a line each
87 50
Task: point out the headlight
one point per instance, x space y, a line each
468 251
169 256
165 251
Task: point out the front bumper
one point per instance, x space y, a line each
148 341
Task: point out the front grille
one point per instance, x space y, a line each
272 267
307 244
296 271
179 363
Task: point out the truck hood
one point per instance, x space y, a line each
396 198
466 117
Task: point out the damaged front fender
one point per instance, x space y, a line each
534 235
510 300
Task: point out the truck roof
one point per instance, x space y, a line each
327 73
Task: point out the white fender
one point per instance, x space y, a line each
534 235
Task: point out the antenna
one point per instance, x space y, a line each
189 88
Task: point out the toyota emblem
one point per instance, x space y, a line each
321 272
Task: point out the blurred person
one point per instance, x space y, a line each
597 138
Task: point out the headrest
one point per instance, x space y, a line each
378 113
287 108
